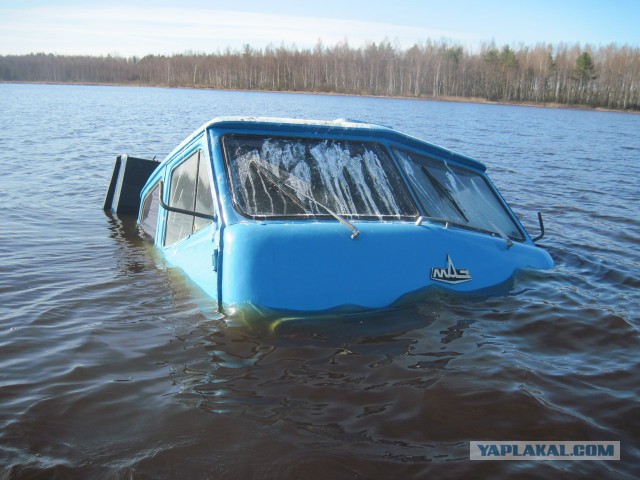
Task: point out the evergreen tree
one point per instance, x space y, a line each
585 68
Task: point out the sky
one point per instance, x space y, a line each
138 28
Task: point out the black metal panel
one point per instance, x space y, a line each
129 176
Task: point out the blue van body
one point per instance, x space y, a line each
309 216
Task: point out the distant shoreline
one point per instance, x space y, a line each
475 100
563 76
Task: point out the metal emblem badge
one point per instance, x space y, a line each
450 274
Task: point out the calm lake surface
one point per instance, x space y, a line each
113 366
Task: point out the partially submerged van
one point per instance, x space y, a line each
307 216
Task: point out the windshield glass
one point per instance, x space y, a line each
459 195
275 176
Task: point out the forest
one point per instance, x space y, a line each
570 75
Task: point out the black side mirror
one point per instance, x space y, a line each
541 223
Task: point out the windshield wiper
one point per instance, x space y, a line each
448 222
293 194
502 235
443 191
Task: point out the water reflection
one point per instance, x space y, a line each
336 379
124 231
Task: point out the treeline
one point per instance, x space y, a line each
606 77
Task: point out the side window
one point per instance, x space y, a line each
149 216
204 195
190 189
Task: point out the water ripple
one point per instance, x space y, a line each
112 365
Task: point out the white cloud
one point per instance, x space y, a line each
139 31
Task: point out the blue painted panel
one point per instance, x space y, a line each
194 256
314 266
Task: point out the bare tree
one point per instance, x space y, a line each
606 77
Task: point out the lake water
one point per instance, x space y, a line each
113 366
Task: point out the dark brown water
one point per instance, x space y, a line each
113 366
